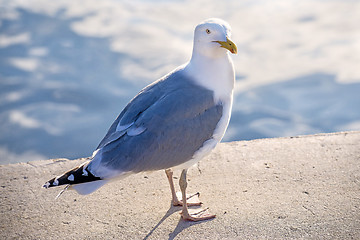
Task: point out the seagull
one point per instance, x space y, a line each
170 124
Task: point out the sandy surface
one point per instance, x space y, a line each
286 188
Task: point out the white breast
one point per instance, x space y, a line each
216 75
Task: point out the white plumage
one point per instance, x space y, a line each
171 124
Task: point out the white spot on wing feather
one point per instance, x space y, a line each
56 182
71 177
134 131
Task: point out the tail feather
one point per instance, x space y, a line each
77 175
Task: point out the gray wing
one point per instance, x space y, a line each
181 117
143 100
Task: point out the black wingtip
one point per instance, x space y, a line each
77 175
53 182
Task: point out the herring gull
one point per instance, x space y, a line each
170 124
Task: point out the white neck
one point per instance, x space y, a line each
216 74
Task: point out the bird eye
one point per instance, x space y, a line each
208 31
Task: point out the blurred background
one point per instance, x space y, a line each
67 68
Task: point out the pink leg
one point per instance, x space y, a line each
196 216
193 200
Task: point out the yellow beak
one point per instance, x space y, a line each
229 45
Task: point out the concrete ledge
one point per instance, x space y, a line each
286 188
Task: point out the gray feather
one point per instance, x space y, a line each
178 115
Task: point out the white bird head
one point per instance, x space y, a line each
212 38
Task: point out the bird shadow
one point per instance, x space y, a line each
169 212
182 224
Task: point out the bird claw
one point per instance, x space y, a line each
198 215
